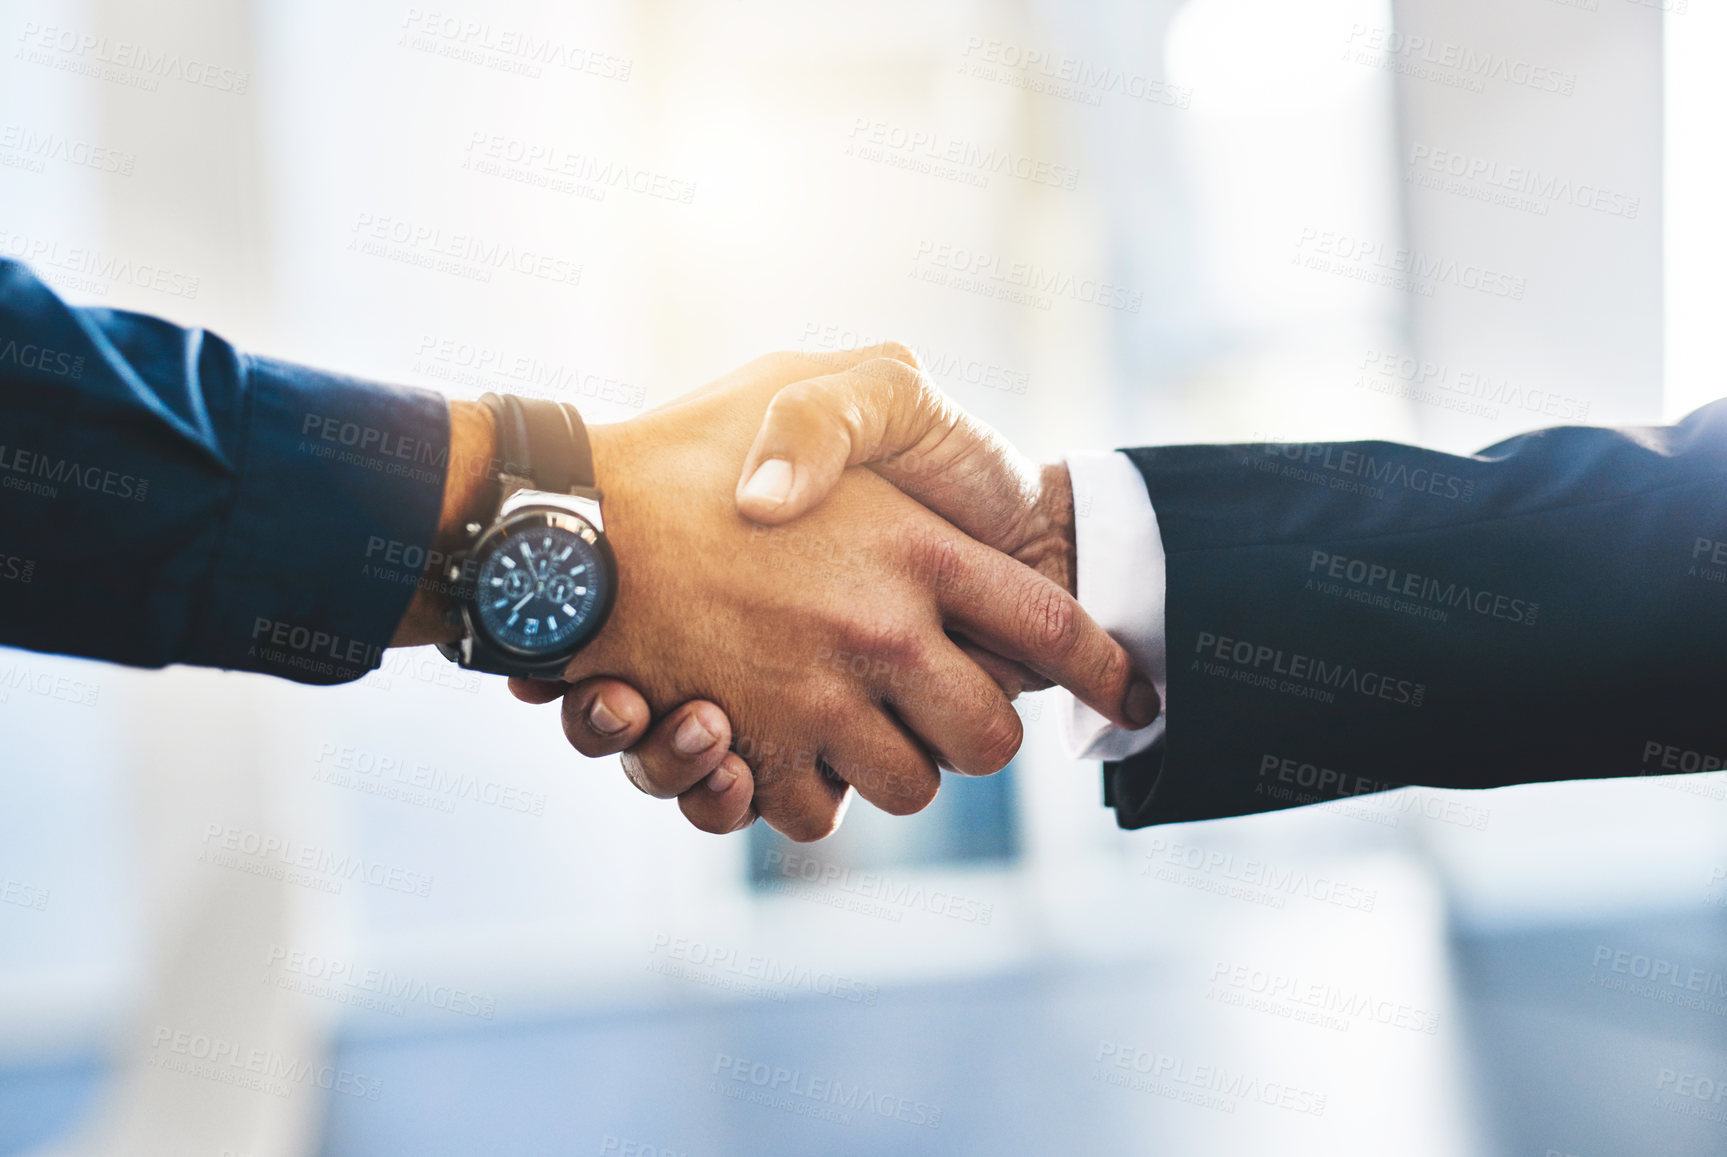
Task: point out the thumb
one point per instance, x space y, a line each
815 428
886 413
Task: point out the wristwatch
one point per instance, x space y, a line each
537 583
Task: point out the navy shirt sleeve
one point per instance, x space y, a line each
165 498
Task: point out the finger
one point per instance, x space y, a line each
603 716
537 690
720 803
680 751
958 711
1023 616
794 793
886 765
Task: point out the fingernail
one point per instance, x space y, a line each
602 719
692 737
772 482
1141 706
721 778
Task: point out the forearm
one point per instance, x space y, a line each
240 508
1348 617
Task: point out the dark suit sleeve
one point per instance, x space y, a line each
1349 617
166 498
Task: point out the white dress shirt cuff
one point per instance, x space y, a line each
1121 585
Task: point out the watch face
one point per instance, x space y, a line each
544 584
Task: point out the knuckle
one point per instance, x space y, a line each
807 400
1050 622
900 353
936 561
1115 671
805 363
904 382
779 363
894 642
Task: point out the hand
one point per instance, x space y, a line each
824 648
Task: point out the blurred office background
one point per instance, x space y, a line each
549 962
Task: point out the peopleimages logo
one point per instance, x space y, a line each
475 364
394 776
1249 878
311 649
1666 757
1463 388
83 269
262 1070
503 48
1511 186
1262 661
1660 758
1320 1003
123 61
1211 1086
1395 267
34 148
1373 580
245 849
1446 62
1343 466
20 677
1692 1094
562 170
885 893
1657 978
1065 77
1021 282
23 895
465 255
344 982
797 1091
43 359
1296 781
888 140
751 973
42 474
934 361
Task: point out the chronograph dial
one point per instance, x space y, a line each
541 583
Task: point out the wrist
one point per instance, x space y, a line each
470 487
605 443
1053 548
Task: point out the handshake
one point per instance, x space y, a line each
789 629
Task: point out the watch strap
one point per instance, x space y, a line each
542 444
